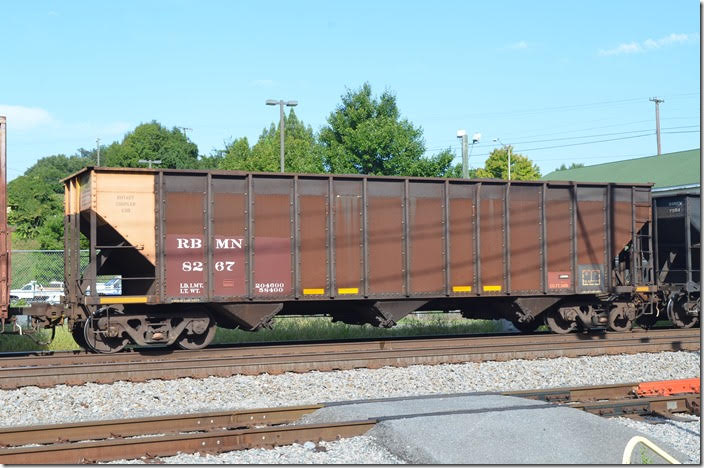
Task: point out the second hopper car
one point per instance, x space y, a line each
196 249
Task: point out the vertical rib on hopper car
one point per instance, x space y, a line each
239 248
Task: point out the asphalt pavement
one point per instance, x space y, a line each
493 429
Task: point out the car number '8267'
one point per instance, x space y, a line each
198 266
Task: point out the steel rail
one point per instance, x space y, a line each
659 406
208 442
165 424
254 360
43 358
235 430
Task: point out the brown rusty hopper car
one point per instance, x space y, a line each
200 248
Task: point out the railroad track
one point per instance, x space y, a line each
78 368
160 436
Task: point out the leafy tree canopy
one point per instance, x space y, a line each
36 197
496 166
302 152
152 141
366 135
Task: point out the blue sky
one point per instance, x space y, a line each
552 78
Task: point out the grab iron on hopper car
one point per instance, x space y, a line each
200 248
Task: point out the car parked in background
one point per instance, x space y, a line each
36 292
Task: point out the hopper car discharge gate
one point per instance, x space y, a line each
196 249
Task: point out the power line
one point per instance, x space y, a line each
645 132
601 126
523 150
573 106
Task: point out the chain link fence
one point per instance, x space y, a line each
38 275
40 266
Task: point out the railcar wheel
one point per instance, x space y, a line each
620 318
78 334
527 327
649 317
560 322
101 336
678 311
198 336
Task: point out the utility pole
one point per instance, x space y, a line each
508 152
657 102
97 144
184 130
465 170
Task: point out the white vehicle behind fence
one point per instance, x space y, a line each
52 292
111 287
36 292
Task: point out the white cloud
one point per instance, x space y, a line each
30 120
667 40
25 118
649 44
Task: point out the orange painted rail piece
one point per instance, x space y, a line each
669 387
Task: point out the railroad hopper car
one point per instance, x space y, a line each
197 249
677 226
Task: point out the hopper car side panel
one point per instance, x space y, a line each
233 237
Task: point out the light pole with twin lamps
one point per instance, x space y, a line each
281 103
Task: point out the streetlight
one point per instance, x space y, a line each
462 134
508 150
281 103
150 162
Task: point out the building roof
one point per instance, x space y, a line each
667 171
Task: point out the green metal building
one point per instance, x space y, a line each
672 173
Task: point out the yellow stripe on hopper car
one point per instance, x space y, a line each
348 291
642 288
492 288
461 289
314 291
123 299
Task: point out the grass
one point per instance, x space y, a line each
290 329
63 341
323 328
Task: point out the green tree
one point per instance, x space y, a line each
366 135
152 141
571 166
302 152
36 201
213 161
496 166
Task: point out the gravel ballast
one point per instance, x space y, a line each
32 405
